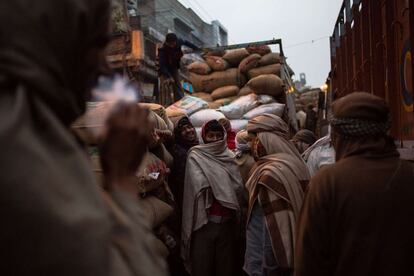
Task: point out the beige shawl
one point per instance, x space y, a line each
211 170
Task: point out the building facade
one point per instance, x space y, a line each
140 29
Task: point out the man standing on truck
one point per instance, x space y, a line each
357 216
169 57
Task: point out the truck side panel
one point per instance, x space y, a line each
371 50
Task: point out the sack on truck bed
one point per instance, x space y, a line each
249 63
267 84
265 99
245 91
214 105
160 111
214 53
273 108
239 107
261 50
234 57
226 101
269 59
156 210
90 125
187 105
200 68
225 92
274 69
199 118
217 63
187 59
237 125
215 80
204 96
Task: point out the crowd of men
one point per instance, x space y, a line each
258 208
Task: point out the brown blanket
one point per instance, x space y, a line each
278 183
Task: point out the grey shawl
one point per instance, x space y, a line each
211 170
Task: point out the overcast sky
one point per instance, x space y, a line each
294 21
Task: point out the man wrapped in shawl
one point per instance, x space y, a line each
357 215
276 189
213 192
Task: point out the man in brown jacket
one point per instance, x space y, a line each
357 216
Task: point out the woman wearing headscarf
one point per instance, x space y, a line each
276 189
213 192
55 218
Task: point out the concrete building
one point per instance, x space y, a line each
158 17
140 27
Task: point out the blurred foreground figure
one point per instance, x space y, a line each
357 216
55 219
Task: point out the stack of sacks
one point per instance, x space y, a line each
239 84
228 75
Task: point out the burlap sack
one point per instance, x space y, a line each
204 96
217 63
160 111
242 79
214 53
274 69
225 92
267 84
269 59
89 126
200 68
249 63
174 113
234 57
156 210
225 101
261 50
245 91
214 105
215 80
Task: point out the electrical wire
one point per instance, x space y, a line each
306 42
